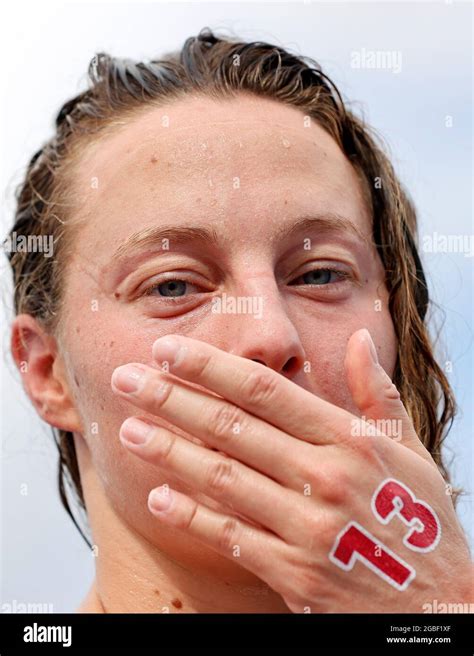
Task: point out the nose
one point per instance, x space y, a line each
288 368
271 340
282 358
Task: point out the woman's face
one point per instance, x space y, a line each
253 202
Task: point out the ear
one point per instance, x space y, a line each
43 373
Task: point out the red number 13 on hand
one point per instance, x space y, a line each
354 542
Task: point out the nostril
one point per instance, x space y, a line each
289 365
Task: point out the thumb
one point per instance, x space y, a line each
376 396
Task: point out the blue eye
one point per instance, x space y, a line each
317 277
169 288
172 288
320 277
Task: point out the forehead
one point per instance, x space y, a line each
201 160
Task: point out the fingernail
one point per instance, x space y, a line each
135 431
372 349
168 349
128 378
160 499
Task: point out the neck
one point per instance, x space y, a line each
136 574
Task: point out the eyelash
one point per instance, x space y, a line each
173 299
343 277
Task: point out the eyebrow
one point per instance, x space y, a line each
323 223
175 234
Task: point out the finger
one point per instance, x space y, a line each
224 479
217 422
376 396
253 387
253 548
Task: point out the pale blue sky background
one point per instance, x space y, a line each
46 51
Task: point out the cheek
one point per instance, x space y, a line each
325 342
94 350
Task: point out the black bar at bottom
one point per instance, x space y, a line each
168 634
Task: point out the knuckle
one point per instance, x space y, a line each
187 521
309 585
308 473
228 533
223 418
221 475
259 387
158 390
305 577
335 485
363 440
329 526
201 364
368 448
164 444
322 531
342 433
